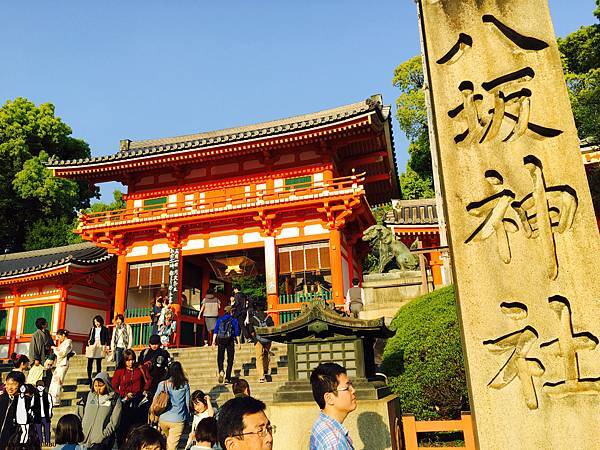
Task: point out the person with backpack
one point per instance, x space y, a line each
225 336
262 346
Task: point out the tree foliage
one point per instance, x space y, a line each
34 205
412 118
581 63
581 60
424 360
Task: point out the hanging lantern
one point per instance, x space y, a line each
228 268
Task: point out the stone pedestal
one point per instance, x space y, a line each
385 293
374 425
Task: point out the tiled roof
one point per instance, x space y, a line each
84 254
135 149
412 212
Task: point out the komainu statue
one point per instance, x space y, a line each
387 248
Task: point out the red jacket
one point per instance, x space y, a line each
126 381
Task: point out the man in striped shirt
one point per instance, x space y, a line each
336 397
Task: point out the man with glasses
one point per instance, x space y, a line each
336 397
243 425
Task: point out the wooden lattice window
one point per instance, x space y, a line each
149 274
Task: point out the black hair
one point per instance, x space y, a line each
98 319
15 375
239 386
206 431
120 316
63 332
231 416
197 396
40 322
127 354
69 430
143 436
323 380
355 281
154 340
20 359
177 375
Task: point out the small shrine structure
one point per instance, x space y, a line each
320 334
284 202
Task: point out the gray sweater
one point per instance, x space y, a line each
100 415
40 341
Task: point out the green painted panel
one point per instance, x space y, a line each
33 313
298 182
3 317
155 203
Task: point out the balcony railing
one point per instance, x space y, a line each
213 203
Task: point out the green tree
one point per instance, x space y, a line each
46 233
412 118
424 360
581 63
117 203
413 186
30 196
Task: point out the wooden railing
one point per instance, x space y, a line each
412 427
301 297
218 203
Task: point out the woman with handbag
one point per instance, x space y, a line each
98 346
132 383
176 414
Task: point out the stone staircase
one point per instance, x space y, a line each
200 365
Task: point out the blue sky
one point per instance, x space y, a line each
147 69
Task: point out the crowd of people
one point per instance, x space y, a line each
147 403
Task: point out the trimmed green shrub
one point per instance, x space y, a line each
424 360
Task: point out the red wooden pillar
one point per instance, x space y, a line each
121 285
335 256
271 272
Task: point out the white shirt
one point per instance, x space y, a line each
97 335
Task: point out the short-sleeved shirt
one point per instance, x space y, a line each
211 306
328 434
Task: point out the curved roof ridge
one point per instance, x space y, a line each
364 104
48 251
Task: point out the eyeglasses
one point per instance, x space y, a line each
349 386
269 429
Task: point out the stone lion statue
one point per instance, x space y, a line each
386 248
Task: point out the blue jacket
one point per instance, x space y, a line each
179 404
234 322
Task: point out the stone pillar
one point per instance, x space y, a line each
521 225
335 257
121 285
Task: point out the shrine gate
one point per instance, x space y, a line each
284 202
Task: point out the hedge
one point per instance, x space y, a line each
424 360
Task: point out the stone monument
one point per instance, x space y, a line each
320 335
523 236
